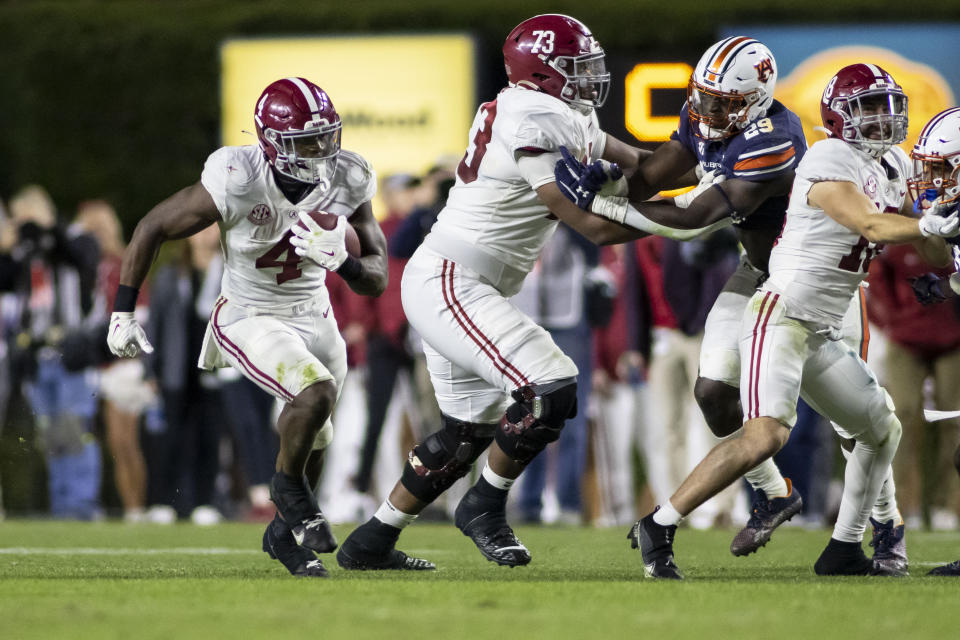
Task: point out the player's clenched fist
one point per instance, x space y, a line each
125 336
326 247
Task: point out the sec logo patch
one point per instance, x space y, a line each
259 215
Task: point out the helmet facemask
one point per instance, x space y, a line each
719 114
308 155
587 79
873 121
937 173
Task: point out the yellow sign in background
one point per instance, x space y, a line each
405 101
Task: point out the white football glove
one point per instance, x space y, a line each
945 225
325 247
125 336
706 181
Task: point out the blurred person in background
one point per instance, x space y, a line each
923 347
184 456
620 392
388 356
272 320
124 392
564 294
51 270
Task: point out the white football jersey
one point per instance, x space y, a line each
817 263
493 206
261 267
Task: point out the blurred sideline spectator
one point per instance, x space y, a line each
565 294
124 393
51 271
922 361
183 457
683 280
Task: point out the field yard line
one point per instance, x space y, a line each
116 551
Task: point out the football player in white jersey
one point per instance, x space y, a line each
500 380
846 202
746 146
273 320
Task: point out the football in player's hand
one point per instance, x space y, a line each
329 221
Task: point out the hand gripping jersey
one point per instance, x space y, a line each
261 267
817 262
766 149
493 221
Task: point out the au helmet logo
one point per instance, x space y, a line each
764 69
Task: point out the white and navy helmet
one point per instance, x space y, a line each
936 158
731 87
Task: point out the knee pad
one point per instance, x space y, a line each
324 437
536 418
444 457
719 403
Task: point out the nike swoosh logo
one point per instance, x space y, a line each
299 537
326 312
327 253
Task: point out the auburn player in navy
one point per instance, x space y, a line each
744 145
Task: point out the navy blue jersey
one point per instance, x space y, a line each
767 149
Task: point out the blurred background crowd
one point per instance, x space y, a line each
155 440
111 105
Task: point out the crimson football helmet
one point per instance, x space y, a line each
557 55
731 86
299 130
863 105
936 158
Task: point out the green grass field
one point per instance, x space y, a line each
110 580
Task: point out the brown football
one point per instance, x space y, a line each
329 221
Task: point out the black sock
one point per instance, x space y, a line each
486 490
377 534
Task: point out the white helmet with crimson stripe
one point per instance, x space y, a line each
731 87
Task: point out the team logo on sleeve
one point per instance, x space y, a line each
259 215
870 188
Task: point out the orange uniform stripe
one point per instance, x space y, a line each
865 341
765 161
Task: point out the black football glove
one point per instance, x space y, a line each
928 289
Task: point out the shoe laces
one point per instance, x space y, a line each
884 538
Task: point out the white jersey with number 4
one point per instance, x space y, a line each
817 263
493 208
261 267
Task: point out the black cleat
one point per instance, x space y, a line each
298 507
889 549
485 522
279 544
365 550
655 542
765 516
952 569
843 559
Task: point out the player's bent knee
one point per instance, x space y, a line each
318 398
720 404
765 436
536 418
444 457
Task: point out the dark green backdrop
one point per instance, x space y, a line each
120 98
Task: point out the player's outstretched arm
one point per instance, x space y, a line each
844 202
182 214
934 251
669 166
373 275
594 228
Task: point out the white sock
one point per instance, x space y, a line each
389 514
667 515
767 477
886 507
495 480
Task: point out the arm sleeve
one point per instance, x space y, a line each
361 178
764 158
536 145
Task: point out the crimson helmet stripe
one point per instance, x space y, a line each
307 94
876 71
